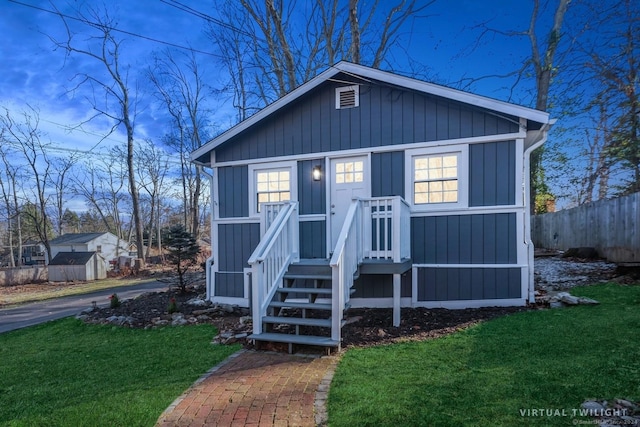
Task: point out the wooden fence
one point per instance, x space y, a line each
21 275
610 226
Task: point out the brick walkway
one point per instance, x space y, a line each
253 388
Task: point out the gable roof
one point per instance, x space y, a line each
71 238
201 155
72 258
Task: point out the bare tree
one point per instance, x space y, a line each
9 187
614 63
111 93
269 58
61 168
25 138
181 88
102 185
153 165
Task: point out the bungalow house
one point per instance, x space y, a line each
363 188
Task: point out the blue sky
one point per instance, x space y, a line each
34 73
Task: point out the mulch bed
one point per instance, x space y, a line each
365 327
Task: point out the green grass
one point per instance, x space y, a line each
552 359
67 373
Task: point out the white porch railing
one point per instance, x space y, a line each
347 256
278 248
390 234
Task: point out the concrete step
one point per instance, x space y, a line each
307 305
323 323
295 339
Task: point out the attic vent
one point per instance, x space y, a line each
347 97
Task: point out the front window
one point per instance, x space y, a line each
435 179
272 186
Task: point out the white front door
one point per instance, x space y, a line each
349 179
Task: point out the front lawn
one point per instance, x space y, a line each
491 374
67 373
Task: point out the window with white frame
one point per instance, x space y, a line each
435 179
438 177
271 184
348 172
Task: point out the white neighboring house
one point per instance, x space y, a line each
84 256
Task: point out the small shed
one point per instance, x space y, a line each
77 266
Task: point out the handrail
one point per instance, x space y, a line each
344 263
278 248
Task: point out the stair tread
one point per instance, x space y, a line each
295 339
324 291
308 276
309 305
297 321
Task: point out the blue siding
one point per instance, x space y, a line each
313 239
464 239
229 285
387 174
233 191
381 286
453 284
236 242
311 194
386 116
492 174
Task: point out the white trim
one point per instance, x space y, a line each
386 78
492 266
271 166
462 304
327 207
380 149
378 302
462 150
238 220
312 217
469 211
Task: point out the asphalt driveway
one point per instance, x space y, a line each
40 312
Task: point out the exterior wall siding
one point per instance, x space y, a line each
381 286
464 239
387 174
313 239
451 284
311 194
386 116
492 174
236 242
233 191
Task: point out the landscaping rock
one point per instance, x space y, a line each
567 298
197 302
